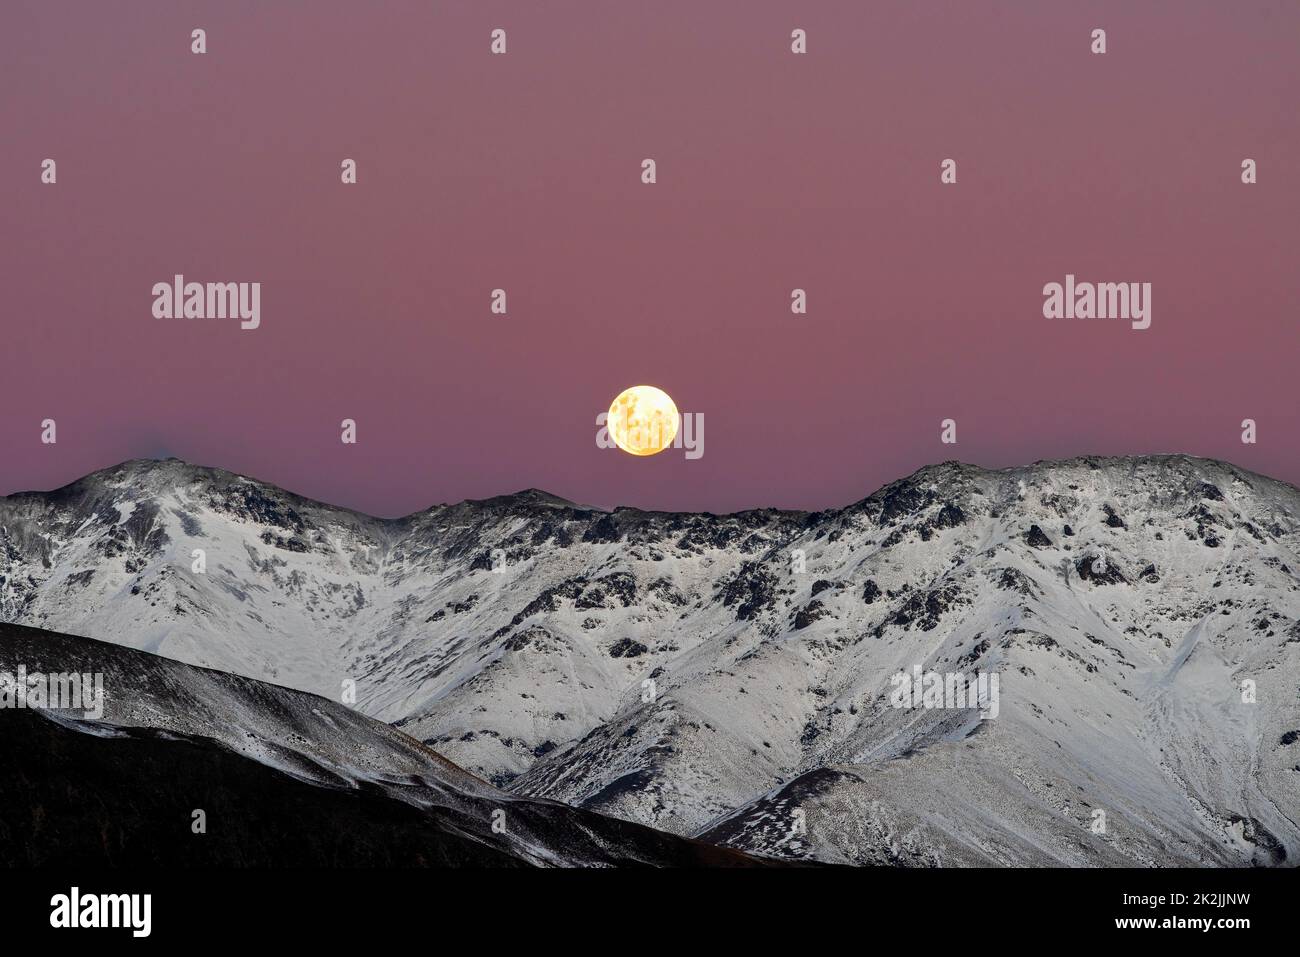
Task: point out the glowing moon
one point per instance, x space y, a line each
642 420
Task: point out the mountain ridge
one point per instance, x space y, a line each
539 494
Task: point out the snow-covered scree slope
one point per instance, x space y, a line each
284 778
717 674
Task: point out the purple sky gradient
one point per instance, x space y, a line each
522 171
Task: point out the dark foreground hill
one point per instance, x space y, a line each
281 778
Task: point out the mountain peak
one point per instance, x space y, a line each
531 497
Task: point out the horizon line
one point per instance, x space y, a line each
562 501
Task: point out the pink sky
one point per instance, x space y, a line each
521 171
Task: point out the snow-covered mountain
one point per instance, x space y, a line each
182 766
731 675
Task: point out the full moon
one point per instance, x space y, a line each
642 420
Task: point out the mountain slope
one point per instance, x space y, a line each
282 778
713 674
